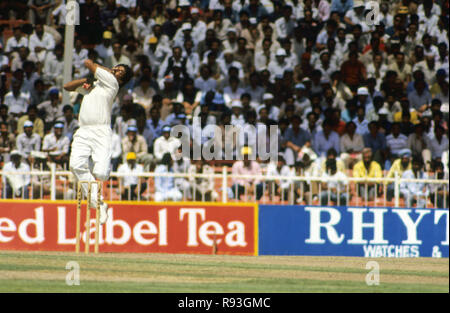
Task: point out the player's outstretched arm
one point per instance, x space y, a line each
92 67
74 84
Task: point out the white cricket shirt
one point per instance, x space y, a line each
97 103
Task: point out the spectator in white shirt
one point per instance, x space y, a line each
278 187
54 66
16 100
131 183
57 145
415 192
41 42
335 189
165 144
16 41
16 185
52 108
279 65
28 141
285 25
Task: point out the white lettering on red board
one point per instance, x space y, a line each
199 230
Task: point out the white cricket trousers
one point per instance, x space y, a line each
90 158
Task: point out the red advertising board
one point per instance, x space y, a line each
188 227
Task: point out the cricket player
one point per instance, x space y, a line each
91 147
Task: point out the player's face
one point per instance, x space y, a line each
118 72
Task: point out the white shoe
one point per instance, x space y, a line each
103 213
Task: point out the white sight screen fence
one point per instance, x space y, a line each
223 186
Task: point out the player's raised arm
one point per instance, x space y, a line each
74 84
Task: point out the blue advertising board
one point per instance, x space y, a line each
353 231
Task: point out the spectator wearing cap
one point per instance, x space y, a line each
165 144
56 145
415 192
246 166
334 185
363 99
231 44
183 33
28 141
16 100
165 189
134 142
7 142
104 49
227 63
351 144
279 64
52 109
131 184
301 102
16 185
237 117
198 25
273 111
32 115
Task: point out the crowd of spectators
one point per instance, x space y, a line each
351 92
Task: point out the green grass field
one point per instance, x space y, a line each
166 273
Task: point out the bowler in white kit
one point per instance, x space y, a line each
91 147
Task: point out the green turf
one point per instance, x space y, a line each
45 272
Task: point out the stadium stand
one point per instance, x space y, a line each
351 94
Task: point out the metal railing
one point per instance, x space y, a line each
54 184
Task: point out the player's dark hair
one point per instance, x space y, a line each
127 76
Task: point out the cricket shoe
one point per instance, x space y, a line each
103 213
